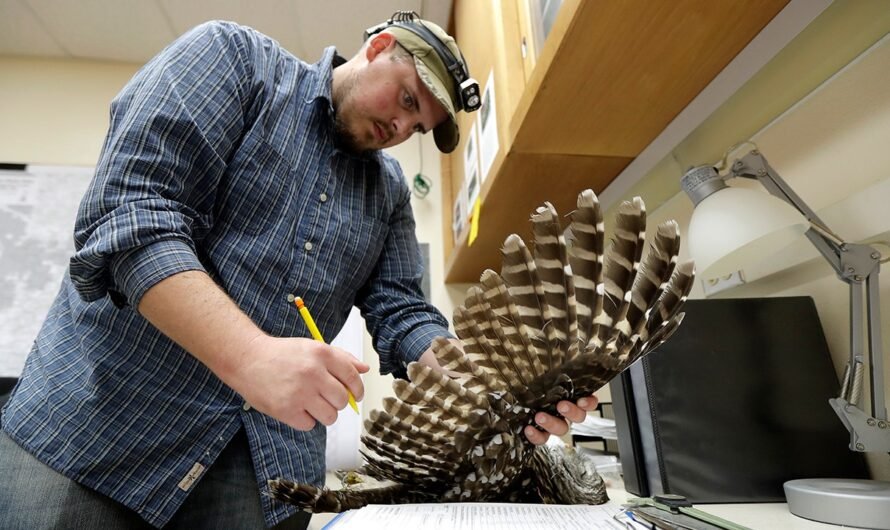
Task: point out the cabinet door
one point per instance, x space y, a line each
489 36
536 19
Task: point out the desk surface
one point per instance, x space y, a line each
760 516
757 516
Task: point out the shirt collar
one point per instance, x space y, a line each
324 76
321 87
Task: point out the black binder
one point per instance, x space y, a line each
733 405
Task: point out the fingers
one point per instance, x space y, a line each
575 413
551 424
302 421
588 403
322 410
571 411
535 436
348 374
362 367
333 392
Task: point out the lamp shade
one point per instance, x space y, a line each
735 227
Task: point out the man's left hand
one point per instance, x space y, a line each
572 412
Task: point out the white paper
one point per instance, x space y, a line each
488 135
459 214
341 451
596 426
481 516
471 168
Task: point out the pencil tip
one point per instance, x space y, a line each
353 404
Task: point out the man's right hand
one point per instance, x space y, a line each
298 381
294 380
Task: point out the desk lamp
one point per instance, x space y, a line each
734 227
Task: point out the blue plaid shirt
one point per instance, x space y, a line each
219 157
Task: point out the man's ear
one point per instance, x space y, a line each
378 44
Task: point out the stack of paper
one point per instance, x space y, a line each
481 516
596 426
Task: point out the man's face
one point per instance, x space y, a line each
385 102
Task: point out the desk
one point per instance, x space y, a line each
760 516
757 516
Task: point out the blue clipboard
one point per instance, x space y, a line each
333 522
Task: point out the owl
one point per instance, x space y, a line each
558 322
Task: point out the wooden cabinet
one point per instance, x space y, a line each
609 78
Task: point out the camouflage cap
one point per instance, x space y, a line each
434 74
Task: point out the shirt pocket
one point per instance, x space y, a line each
363 250
258 182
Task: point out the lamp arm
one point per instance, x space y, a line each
754 165
859 267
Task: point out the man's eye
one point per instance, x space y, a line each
408 100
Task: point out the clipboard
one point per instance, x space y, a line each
675 512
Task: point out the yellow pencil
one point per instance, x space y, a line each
313 329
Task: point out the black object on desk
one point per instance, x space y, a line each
733 405
7 384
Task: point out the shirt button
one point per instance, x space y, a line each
323 197
308 246
246 406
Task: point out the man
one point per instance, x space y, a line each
172 378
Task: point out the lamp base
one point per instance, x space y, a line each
849 502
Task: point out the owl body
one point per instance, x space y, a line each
557 323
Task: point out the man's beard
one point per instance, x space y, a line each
344 138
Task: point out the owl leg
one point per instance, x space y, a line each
314 499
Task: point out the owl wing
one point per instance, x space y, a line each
558 322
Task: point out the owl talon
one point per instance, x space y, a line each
304 496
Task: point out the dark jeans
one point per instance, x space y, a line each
35 497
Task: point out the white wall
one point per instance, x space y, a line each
831 147
56 111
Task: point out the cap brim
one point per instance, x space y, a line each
446 134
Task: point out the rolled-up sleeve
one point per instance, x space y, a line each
172 129
402 324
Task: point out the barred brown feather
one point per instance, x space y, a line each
558 322
586 260
521 277
558 307
622 263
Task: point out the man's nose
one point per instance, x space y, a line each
401 126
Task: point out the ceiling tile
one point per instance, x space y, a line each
436 11
21 33
318 18
275 18
118 30
135 30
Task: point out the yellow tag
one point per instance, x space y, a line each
474 221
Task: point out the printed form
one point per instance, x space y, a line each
481 516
